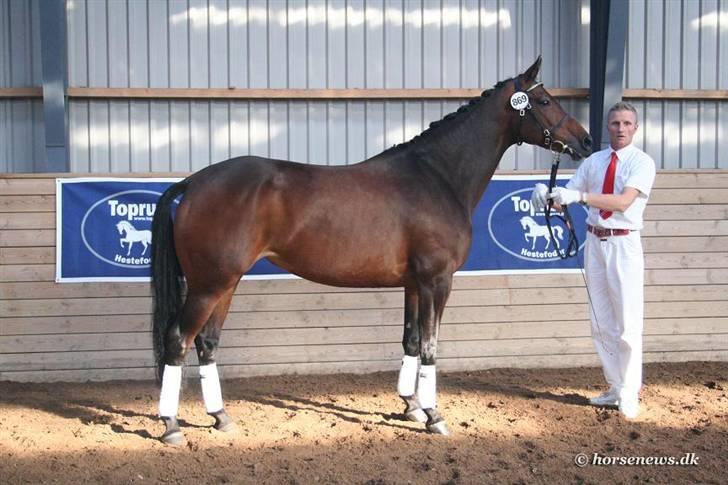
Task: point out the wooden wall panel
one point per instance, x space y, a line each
80 331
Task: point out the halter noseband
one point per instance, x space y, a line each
548 140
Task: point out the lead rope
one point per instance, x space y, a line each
571 251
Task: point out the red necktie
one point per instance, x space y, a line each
608 187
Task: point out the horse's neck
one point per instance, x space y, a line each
467 153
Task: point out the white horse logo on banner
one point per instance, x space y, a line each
536 231
132 236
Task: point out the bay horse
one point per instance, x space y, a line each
399 219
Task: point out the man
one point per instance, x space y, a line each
615 183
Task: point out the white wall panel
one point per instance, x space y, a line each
342 44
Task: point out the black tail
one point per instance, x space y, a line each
166 273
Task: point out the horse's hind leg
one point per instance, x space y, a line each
193 316
207 343
407 382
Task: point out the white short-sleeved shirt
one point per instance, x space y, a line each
635 169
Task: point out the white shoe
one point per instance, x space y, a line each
609 398
630 407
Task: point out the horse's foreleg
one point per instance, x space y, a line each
407 382
195 312
432 300
206 344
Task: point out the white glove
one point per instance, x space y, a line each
538 197
564 196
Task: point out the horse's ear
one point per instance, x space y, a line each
532 72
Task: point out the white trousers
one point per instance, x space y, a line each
615 275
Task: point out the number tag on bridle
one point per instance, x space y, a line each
519 100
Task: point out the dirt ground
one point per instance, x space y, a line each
508 426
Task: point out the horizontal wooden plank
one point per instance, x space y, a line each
686 228
572 345
685 212
305 94
684 244
348 301
75 324
695 179
21 92
686 260
688 196
28 255
676 94
27 272
50 290
25 220
28 238
242 338
363 318
691 276
27 203
353 352
27 186
340 94
297 319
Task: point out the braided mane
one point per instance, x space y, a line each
449 117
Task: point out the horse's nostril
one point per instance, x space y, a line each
587 142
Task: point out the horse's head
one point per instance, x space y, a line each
525 222
540 120
120 226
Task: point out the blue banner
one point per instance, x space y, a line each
103 230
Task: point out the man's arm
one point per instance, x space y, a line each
609 202
612 202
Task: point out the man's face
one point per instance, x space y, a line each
621 125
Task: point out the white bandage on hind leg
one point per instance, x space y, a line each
169 397
426 387
211 393
408 376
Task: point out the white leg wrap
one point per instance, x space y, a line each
408 376
426 387
211 392
169 397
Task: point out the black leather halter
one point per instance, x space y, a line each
547 132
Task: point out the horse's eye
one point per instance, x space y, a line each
544 101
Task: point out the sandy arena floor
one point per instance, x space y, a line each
509 426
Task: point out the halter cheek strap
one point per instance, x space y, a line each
548 139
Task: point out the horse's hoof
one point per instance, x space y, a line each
439 427
223 422
173 437
226 428
413 411
416 415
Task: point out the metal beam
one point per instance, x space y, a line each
55 79
608 34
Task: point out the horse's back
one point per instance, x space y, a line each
348 226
